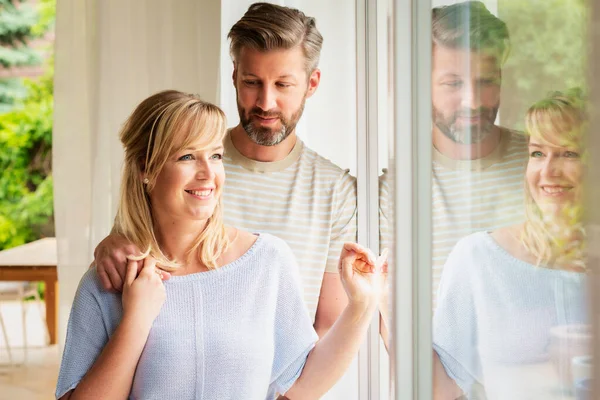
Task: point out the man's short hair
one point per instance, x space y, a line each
268 26
470 25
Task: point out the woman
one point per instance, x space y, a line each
230 322
508 297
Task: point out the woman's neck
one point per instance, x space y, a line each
176 239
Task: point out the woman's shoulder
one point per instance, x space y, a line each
473 245
90 286
90 281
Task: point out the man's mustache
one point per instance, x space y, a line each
262 114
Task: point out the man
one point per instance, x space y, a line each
274 183
478 167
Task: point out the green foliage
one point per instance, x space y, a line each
26 195
548 52
26 199
16 24
46 17
20 23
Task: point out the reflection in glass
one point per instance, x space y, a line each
509 285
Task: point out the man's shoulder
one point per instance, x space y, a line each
516 138
318 163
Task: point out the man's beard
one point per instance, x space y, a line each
470 134
266 136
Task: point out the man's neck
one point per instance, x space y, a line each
257 152
458 151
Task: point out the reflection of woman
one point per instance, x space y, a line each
230 323
503 292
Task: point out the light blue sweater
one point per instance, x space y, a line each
239 332
500 322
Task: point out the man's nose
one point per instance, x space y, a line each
470 97
266 98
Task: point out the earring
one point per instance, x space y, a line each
146 181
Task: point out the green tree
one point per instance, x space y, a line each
26 200
549 47
18 21
26 189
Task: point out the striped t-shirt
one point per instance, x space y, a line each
476 195
304 199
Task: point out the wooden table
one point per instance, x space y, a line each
35 261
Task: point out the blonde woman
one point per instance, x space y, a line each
503 292
230 323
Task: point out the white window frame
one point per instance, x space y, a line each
411 349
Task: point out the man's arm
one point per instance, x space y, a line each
333 299
332 302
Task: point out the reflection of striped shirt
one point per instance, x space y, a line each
304 199
476 195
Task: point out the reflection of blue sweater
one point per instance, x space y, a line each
239 332
497 320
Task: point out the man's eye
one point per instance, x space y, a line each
250 83
284 85
187 157
536 154
489 81
452 84
571 154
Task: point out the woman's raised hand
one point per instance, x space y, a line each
361 274
144 295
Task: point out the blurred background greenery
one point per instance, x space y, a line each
26 104
549 48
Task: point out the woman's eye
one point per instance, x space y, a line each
536 154
187 157
217 156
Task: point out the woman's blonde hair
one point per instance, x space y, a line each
560 119
149 136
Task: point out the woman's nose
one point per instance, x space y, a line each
205 171
552 167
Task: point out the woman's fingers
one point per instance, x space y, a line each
382 260
149 267
361 252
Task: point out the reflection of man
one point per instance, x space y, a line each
275 184
478 167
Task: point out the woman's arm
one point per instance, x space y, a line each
331 356
112 374
444 387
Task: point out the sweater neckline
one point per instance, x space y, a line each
239 262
